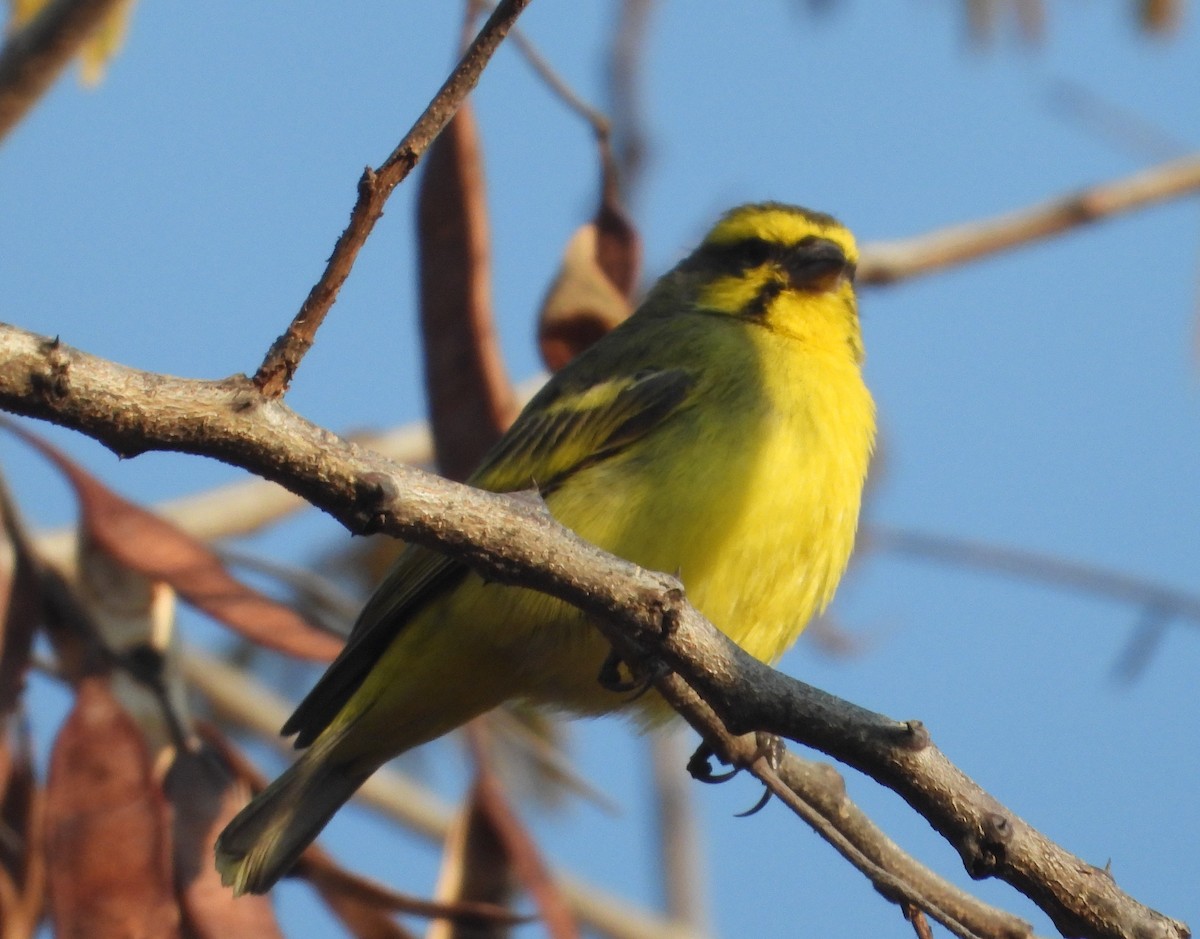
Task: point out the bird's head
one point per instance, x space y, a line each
778 265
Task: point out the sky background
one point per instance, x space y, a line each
175 217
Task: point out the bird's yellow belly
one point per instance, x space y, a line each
758 520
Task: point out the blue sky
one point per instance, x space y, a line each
175 217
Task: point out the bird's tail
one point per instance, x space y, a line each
268 836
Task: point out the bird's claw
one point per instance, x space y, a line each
610 677
770 747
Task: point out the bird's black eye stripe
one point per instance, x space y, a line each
738 256
749 253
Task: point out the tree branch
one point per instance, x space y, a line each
888 261
374 188
513 540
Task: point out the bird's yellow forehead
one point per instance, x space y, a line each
781 224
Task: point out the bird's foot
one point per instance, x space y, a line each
639 682
770 747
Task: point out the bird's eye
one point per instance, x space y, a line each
752 252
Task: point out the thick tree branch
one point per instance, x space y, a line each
514 540
889 261
34 55
374 188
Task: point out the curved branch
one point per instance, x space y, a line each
513 540
888 261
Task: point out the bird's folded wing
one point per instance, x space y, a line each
564 430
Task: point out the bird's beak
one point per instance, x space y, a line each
818 266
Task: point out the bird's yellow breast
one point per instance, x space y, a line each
751 494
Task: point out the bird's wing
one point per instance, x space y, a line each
569 426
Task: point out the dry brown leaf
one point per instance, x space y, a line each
22 863
20 604
498 851
22 868
107 823
593 290
159 550
475 867
205 796
618 245
134 617
582 304
471 401
1160 16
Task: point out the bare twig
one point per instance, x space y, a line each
886 262
1127 130
515 541
559 86
1159 604
374 188
1034 565
681 858
624 74
34 55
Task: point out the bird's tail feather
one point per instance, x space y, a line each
266 838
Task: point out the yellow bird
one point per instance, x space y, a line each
723 431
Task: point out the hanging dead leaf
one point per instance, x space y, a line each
1031 20
582 304
471 401
20 604
475 867
154 547
1160 16
22 868
108 839
134 616
618 246
497 851
593 290
205 795
22 863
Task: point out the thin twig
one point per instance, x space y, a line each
1127 130
374 188
681 856
35 55
887 262
624 72
816 793
598 120
1034 565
